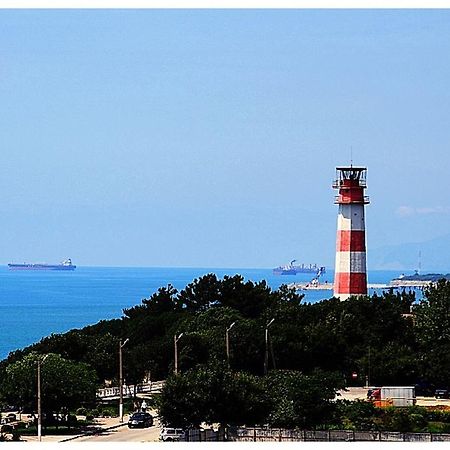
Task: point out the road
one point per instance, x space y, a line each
125 434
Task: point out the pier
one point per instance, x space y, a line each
397 284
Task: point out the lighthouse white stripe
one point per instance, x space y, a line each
350 262
351 217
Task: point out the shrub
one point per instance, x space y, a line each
109 412
94 412
438 414
409 419
71 419
438 427
6 429
357 415
15 435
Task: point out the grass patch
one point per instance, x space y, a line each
53 430
438 427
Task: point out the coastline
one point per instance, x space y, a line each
39 303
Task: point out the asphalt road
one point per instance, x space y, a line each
125 434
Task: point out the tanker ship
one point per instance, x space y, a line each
64 265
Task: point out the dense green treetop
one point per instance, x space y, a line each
213 394
64 383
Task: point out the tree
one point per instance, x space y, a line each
165 300
432 327
249 298
213 394
98 350
301 400
330 335
64 383
356 415
201 294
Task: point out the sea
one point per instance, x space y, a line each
35 304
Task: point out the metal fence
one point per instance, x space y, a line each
200 435
283 435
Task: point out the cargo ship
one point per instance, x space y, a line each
417 280
64 265
428 277
291 269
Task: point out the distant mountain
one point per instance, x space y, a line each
435 256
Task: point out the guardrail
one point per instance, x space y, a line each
153 387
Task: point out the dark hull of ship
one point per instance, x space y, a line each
40 267
295 271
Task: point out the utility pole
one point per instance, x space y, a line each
40 361
121 346
266 357
175 341
227 342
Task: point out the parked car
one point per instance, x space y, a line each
171 434
140 420
441 393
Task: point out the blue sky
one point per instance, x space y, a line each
209 138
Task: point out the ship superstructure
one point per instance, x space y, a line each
291 269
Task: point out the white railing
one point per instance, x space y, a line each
153 387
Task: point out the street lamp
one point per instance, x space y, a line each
121 346
266 358
227 341
175 341
40 361
368 372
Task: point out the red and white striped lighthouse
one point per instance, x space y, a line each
350 276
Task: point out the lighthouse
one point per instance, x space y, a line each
350 276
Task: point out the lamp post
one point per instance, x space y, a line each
175 341
266 357
121 346
40 361
227 341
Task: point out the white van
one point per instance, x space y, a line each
171 434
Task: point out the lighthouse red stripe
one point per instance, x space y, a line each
351 241
350 283
353 194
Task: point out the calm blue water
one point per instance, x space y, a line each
36 304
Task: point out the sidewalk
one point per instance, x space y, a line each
101 424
